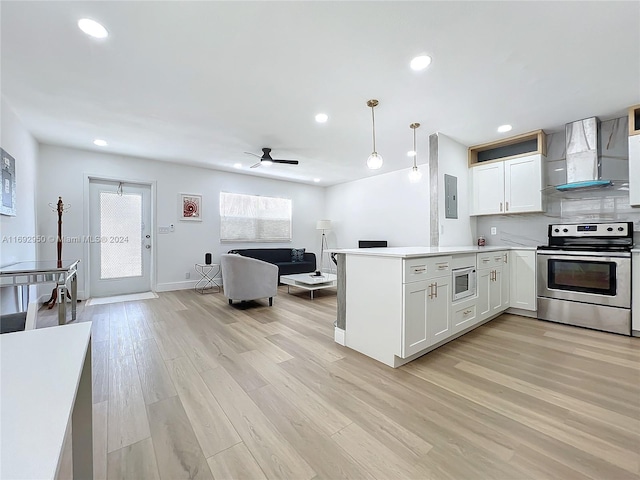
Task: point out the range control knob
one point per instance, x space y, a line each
565 230
610 229
557 230
620 229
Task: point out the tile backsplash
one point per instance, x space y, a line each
530 229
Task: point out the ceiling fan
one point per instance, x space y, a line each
266 159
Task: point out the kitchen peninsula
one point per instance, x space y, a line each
396 304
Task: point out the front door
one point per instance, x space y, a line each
120 243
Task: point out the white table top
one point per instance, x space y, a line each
39 375
309 278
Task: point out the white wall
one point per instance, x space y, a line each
62 172
18 143
383 207
452 160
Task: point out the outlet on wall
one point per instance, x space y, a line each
494 230
187 275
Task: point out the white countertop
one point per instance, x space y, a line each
40 371
410 252
635 250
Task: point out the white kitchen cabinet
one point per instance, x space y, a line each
487 182
464 315
523 280
523 184
426 314
491 298
511 186
635 282
506 279
438 310
634 170
415 328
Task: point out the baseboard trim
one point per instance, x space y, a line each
522 312
339 336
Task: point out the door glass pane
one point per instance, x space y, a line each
583 276
121 235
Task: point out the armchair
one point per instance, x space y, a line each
245 278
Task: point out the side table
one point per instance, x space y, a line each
208 275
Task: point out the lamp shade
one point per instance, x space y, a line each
323 225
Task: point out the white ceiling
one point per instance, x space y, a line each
202 82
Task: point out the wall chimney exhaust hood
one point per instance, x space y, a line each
584 168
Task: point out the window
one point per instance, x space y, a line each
251 218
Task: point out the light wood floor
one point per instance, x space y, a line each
186 386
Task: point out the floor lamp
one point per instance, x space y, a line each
323 225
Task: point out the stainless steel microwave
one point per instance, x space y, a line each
464 283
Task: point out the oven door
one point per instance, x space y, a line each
586 277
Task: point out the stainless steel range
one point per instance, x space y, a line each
584 276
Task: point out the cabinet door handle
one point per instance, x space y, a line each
431 290
500 206
507 204
466 312
419 269
506 258
435 290
443 266
485 260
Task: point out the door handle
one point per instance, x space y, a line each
507 203
500 206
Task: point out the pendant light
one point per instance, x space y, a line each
414 175
374 161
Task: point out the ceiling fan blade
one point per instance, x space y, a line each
288 162
249 153
256 165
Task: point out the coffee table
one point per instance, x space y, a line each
308 281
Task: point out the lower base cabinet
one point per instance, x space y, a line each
426 318
523 280
464 315
490 292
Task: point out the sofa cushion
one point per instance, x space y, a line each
297 255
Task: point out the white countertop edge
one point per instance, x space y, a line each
40 373
635 250
412 252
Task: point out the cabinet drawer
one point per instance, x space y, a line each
491 259
416 269
464 317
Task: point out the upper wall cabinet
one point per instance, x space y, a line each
634 155
507 176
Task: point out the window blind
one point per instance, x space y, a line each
253 218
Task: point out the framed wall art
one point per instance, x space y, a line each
8 184
190 207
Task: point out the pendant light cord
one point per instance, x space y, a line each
373 121
415 152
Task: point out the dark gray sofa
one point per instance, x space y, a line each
282 258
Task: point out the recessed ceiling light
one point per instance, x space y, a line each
420 62
411 153
316 180
504 128
92 28
237 165
322 117
99 142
